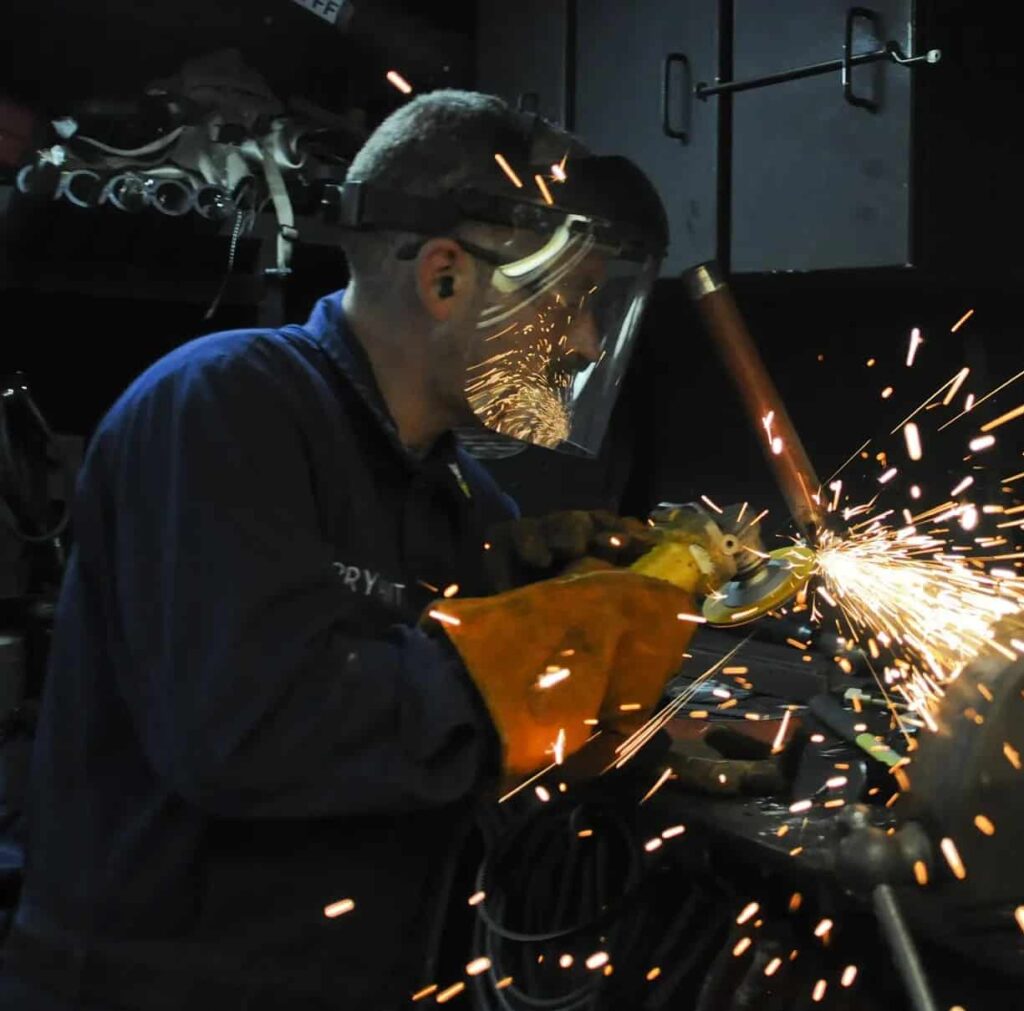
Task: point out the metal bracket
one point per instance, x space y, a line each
890 51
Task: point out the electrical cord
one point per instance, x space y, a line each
554 897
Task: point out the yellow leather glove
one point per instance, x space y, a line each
548 656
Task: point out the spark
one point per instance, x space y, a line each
819 991
1003 419
502 983
708 501
921 872
558 169
984 825
741 946
888 475
748 913
927 401
596 960
585 833
796 900
963 319
553 677
543 793
478 965
952 855
972 403
565 961
777 744
446 619
801 805
887 393
936 608
661 781
544 191
958 381
653 974
425 992
695 618
339 908
507 169
653 844
636 741
1012 755
558 748
962 486
1018 915
672 831
450 591
773 966
982 442
476 898
453 991
395 78
913 439
823 927
916 340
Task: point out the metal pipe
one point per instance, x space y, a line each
904 951
784 451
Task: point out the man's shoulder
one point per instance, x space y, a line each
226 366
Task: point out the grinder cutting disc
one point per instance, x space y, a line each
771 584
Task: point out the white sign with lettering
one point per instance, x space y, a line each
329 10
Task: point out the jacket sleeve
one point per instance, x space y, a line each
254 691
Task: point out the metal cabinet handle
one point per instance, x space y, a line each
666 128
847 77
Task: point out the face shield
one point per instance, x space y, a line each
554 335
567 273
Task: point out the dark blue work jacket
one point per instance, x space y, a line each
242 723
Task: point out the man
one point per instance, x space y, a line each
257 755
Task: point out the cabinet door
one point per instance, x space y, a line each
621 54
818 183
521 54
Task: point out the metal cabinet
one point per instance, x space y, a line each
802 174
819 182
522 51
636 64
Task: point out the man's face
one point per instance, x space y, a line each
519 372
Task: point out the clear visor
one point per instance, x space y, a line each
554 336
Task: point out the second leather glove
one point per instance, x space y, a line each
549 656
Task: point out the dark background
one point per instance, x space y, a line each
89 298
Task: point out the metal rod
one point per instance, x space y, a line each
787 458
828 67
904 951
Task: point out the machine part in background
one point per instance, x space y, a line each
783 449
966 784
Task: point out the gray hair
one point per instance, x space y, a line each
433 144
